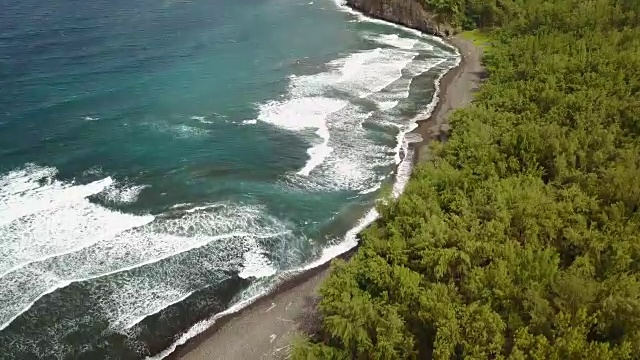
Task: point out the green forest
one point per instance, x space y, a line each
520 237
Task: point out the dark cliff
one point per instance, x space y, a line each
409 13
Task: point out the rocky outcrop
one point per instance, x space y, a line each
409 13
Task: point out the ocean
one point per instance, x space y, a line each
162 162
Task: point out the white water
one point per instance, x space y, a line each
308 104
359 74
63 230
345 156
387 105
62 238
394 40
22 194
302 113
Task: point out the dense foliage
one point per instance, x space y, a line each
520 239
474 13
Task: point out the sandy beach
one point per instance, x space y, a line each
265 329
456 91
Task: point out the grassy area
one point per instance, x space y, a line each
480 38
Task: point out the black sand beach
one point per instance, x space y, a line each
265 329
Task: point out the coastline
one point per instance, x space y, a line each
457 88
265 328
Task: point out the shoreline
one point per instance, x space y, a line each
312 276
456 90
265 328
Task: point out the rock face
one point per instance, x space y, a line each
409 13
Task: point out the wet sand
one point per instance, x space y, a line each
265 329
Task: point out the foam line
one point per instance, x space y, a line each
138 319
395 40
65 283
133 244
327 254
301 113
58 232
317 153
371 189
143 220
75 240
309 102
14 204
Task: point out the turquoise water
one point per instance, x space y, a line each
161 161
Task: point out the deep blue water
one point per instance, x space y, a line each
162 160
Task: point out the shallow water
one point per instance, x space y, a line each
162 161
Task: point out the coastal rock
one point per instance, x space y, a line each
409 13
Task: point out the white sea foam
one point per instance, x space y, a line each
43 218
302 113
360 74
75 240
143 294
256 264
26 178
317 153
394 40
59 231
133 321
187 131
372 71
204 119
122 194
387 105
181 205
390 98
137 293
179 130
249 122
23 195
310 104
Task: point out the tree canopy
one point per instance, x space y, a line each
520 238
